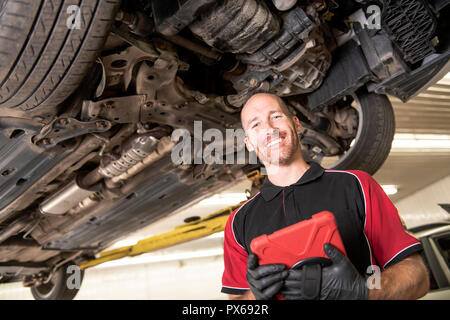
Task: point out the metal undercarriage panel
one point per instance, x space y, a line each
21 163
152 201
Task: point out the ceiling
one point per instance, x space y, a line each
427 116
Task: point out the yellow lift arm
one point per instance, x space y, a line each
183 233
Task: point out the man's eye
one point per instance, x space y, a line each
255 125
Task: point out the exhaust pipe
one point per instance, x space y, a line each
65 199
85 185
136 150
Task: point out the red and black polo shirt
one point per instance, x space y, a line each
367 220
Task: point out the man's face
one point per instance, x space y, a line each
270 131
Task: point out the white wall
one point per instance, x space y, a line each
422 206
185 279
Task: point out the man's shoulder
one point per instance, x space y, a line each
361 176
236 220
243 210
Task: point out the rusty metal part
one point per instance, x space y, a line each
289 61
139 149
333 123
346 120
137 22
164 146
116 109
159 77
322 144
45 277
91 178
144 46
238 26
119 66
64 128
15 227
125 17
287 44
195 47
297 56
308 71
169 102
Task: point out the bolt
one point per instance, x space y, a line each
63 122
101 124
316 149
253 82
161 64
142 140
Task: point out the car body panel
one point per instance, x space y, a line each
438 268
25 162
146 205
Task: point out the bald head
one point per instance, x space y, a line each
257 103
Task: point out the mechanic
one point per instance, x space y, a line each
294 190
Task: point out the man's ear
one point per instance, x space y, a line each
248 144
297 125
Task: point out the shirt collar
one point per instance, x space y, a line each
269 190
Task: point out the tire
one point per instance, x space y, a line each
57 288
373 141
42 60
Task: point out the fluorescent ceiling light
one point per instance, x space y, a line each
390 189
421 142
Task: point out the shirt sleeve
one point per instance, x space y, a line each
234 279
387 237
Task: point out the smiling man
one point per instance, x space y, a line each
294 190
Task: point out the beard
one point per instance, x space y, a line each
281 154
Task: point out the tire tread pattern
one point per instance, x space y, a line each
47 60
375 141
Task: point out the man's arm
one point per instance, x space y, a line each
407 279
248 295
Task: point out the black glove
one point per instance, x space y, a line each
265 281
339 281
303 283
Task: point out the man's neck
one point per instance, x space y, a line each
283 176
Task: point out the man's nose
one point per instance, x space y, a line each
273 132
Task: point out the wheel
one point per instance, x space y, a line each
63 285
375 132
47 47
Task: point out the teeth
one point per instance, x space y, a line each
274 142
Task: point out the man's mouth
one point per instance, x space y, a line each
272 143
